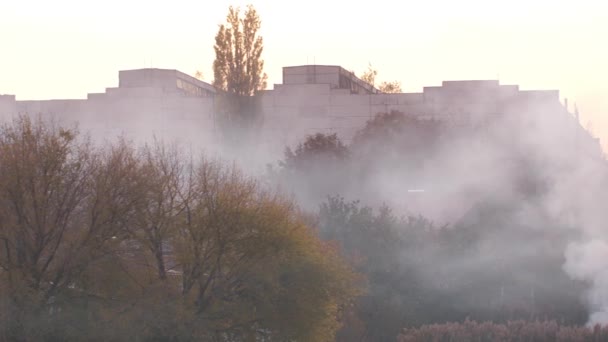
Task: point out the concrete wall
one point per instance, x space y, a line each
7 106
312 74
169 80
174 106
147 104
335 76
295 110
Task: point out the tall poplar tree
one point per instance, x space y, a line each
238 67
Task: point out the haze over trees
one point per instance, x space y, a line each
494 249
123 244
505 332
414 229
116 243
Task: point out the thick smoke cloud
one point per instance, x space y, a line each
535 169
535 160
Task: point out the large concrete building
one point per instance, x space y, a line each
312 98
165 103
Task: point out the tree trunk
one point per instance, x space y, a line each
160 262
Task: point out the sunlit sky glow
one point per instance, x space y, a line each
66 49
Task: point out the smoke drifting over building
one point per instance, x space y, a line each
313 98
498 124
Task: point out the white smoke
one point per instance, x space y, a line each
469 170
588 262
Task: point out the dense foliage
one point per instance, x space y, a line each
119 244
533 331
418 273
499 258
238 67
238 71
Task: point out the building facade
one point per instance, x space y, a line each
173 106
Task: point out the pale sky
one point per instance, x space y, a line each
66 49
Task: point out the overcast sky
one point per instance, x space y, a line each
66 49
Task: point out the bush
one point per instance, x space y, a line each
510 331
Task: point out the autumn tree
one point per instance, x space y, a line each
397 139
369 76
316 148
390 87
383 248
162 185
247 265
238 67
239 75
316 168
63 207
113 243
251 267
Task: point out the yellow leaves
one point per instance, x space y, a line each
390 87
255 260
146 240
369 76
238 67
